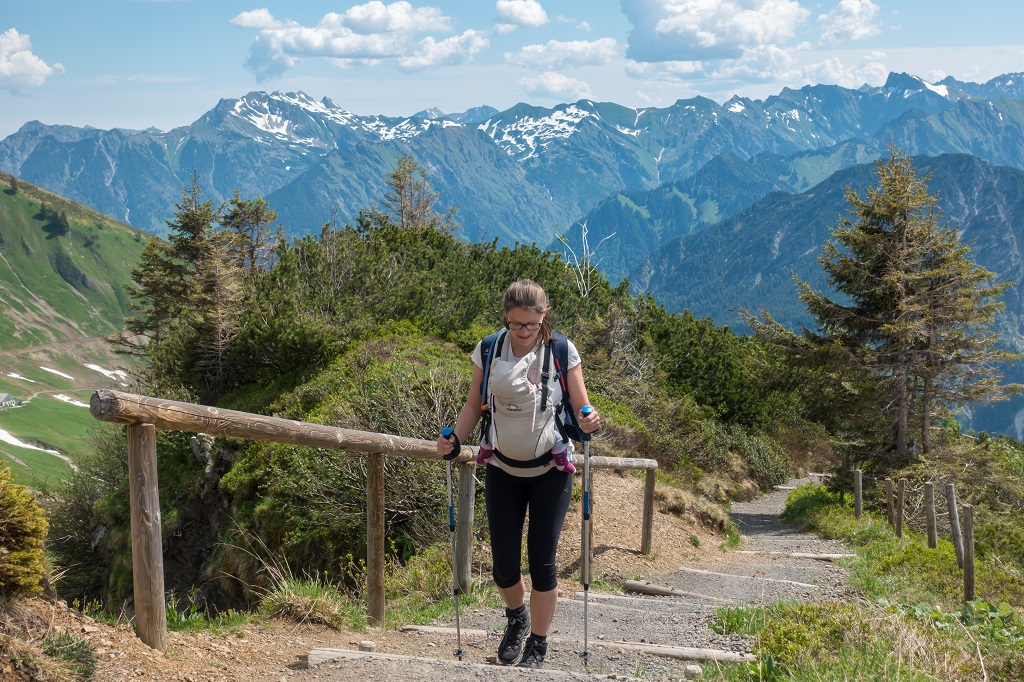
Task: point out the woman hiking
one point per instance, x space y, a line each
527 458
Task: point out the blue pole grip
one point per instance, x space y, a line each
585 410
448 431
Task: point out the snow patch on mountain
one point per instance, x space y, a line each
526 135
407 129
275 116
69 400
118 375
57 372
6 437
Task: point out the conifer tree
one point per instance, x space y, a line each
411 201
916 311
189 231
248 221
156 298
217 302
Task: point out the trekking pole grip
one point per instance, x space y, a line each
585 410
449 434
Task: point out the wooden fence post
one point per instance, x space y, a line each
929 514
858 493
888 502
901 499
147 543
375 539
464 527
968 552
647 534
954 524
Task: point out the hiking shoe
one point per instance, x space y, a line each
512 642
563 462
533 652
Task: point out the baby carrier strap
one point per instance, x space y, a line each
489 347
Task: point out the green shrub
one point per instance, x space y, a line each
805 499
769 463
22 533
309 505
797 632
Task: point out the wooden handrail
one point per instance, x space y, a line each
128 408
137 410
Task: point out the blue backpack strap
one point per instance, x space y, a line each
545 376
566 417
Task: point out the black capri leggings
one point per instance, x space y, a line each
507 498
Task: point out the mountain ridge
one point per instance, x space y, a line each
572 156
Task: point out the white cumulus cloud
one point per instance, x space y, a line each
556 86
376 17
850 20
557 54
362 34
765 63
670 71
257 18
869 69
20 69
524 13
455 50
690 30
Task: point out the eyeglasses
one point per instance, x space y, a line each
516 326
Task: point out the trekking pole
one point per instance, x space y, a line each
585 563
450 433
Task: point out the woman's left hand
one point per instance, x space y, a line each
591 422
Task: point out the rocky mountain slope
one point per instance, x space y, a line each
523 174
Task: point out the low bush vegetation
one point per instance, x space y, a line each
23 528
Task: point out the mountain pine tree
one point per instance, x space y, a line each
914 310
411 201
156 298
248 221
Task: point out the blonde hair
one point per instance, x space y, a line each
528 295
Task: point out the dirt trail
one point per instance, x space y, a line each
278 651
650 623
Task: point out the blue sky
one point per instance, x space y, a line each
163 63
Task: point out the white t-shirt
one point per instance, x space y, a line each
529 432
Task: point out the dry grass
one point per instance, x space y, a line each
22 631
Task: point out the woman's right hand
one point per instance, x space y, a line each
445 445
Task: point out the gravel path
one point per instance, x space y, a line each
672 621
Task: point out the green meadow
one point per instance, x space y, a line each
53 424
32 467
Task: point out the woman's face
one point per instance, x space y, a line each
524 324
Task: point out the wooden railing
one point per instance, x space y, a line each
143 415
895 514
